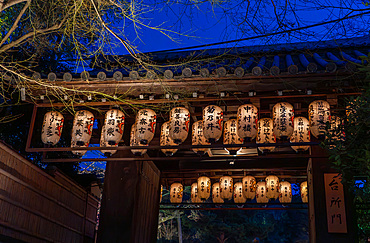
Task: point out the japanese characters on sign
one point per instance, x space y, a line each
145 125
176 192
194 193
272 187
82 128
231 136
304 192
335 132
301 133
104 143
238 193
78 152
213 117
249 187
261 193
335 204
319 115
204 187
180 122
216 196
52 127
265 134
285 192
247 119
226 187
135 142
114 123
166 140
198 138
283 115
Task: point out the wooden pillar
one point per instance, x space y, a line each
318 217
130 203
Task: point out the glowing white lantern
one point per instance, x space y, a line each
198 138
231 136
283 115
176 192
265 134
114 123
145 125
104 143
335 129
52 127
180 120
194 193
247 119
304 192
261 193
166 140
213 117
238 193
285 192
135 142
272 187
204 187
78 152
249 187
160 197
226 187
301 133
319 114
216 196
82 128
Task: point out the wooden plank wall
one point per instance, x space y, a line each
38 207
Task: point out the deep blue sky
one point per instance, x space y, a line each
210 23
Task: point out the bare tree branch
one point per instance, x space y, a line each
9 4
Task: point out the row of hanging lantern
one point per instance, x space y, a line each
240 192
246 127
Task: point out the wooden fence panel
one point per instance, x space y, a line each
38 207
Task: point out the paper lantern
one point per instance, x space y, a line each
145 125
238 193
114 123
194 193
249 187
285 192
231 136
272 187
319 115
52 127
261 193
282 116
82 128
166 140
226 187
213 117
180 121
198 138
134 141
247 119
161 195
216 196
176 192
336 129
301 133
204 187
265 134
104 143
304 192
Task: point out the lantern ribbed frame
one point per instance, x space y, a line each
114 122
285 192
194 193
52 127
226 187
166 140
104 143
265 134
213 117
135 142
247 118
146 120
198 138
216 197
249 187
231 136
304 191
82 128
319 115
282 116
179 124
238 193
301 133
261 193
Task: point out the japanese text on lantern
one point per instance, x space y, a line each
335 207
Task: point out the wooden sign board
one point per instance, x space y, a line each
335 205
